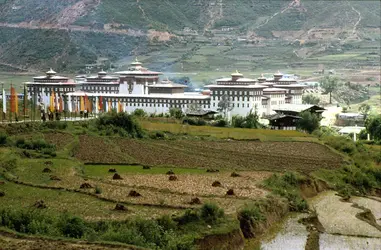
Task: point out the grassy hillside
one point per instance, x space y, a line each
274 34
165 190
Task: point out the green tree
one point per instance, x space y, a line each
308 122
330 84
311 99
225 105
176 112
364 109
373 126
139 113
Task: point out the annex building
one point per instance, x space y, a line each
140 88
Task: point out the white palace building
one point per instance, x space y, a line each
140 88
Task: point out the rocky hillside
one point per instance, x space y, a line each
68 34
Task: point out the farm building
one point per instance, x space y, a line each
283 122
288 115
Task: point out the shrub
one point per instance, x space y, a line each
211 212
220 123
166 222
139 113
55 125
9 164
73 227
287 186
121 123
3 139
98 190
176 113
251 213
188 217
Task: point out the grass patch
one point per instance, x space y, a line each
287 186
102 170
234 133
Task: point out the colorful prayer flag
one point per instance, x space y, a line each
82 104
4 102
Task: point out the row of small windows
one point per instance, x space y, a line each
238 105
231 92
113 88
163 105
162 101
49 90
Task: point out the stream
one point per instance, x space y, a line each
338 223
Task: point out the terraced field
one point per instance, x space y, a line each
240 155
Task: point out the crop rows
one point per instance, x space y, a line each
272 156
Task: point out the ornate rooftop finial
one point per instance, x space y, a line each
51 72
136 59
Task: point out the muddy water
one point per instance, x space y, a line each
342 229
339 217
292 235
335 242
372 204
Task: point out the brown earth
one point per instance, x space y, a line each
273 156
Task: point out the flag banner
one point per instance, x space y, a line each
56 101
4 102
86 102
13 100
100 103
51 107
61 105
16 103
82 104
25 101
109 106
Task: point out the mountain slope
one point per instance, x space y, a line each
76 32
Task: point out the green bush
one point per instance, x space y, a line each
139 113
3 139
98 190
61 125
120 123
251 213
176 113
188 217
287 186
9 164
220 123
211 212
72 227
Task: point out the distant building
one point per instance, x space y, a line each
44 86
141 88
102 83
288 115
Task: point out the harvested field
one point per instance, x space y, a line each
201 185
97 149
244 155
60 140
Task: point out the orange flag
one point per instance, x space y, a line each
61 104
51 107
14 101
82 104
